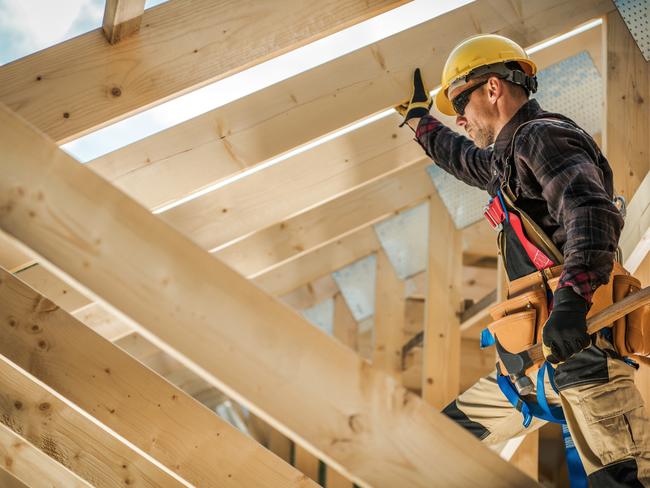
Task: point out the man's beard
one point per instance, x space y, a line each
484 136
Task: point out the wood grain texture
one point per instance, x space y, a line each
274 362
82 84
389 317
441 346
291 238
128 397
122 18
627 104
179 160
26 463
69 437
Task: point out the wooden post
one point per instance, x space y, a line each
441 348
122 18
627 107
389 317
526 457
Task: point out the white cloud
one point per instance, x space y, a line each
37 24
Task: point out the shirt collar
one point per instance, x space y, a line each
528 111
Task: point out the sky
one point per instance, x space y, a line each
27 26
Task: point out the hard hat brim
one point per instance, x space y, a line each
443 104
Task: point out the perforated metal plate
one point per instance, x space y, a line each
322 316
636 14
572 87
404 238
357 285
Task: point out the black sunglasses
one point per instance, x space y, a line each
460 101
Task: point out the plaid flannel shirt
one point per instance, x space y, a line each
560 178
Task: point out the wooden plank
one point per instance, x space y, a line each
44 419
526 457
389 317
174 163
346 328
441 346
11 257
186 302
306 268
102 321
304 181
128 397
627 90
122 18
7 480
32 466
316 227
84 83
642 376
312 293
635 237
306 463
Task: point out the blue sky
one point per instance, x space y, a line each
27 26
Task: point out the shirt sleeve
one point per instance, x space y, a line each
563 160
454 153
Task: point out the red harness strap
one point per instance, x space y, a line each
496 214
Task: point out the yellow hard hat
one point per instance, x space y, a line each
482 51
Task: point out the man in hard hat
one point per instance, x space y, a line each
552 200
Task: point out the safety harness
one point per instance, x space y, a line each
526 249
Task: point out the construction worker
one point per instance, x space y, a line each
544 171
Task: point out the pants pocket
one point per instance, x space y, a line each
616 422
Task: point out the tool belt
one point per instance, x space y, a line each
519 320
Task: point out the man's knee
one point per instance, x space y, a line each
457 415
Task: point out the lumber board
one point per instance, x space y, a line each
85 83
627 91
441 343
26 463
128 397
389 317
314 228
635 237
346 328
299 183
44 419
186 301
175 162
122 18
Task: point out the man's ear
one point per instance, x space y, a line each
495 89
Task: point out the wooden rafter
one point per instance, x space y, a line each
82 84
170 289
122 18
27 463
129 398
169 165
67 436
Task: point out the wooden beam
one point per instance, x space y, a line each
172 164
526 457
304 181
389 317
25 462
306 268
441 347
168 287
44 419
128 397
298 235
627 90
346 328
122 18
635 238
84 83
7 480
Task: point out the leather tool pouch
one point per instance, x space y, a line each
632 332
518 321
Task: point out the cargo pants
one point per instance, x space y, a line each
603 408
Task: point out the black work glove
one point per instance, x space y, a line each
420 102
565 331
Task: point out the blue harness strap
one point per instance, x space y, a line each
541 409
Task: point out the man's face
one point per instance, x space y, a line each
478 116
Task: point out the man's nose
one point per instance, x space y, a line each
461 121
